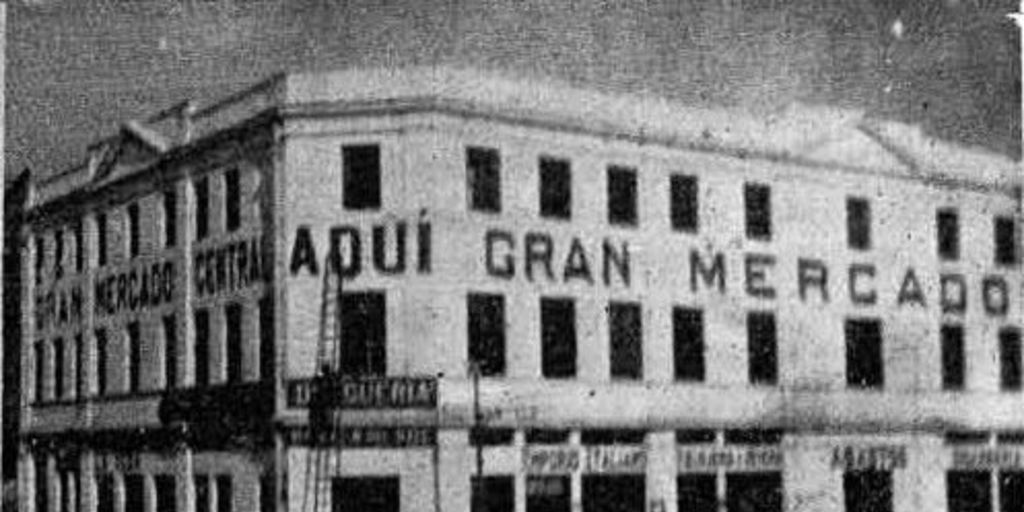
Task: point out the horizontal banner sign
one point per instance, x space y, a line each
877 457
366 437
588 459
701 459
988 457
365 393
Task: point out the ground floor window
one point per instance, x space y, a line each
867 491
365 494
753 492
969 491
697 493
614 493
493 494
134 492
224 493
548 494
166 493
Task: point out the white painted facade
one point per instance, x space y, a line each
286 139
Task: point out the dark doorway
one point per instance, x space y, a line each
365 494
867 491
697 493
614 493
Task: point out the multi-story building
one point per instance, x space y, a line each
552 300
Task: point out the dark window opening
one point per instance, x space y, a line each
754 492
547 436
483 173
170 325
134 492
361 177
1005 240
101 239
1010 437
232 200
492 494
364 323
487 436
761 344
612 436
134 230
134 357
58 368
1011 490
202 196
233 335
58 254
555 188
966 437
105 494
622 207
40 358
614 493
170 217
487 333
79 246
102 353
558 338
952 357
266 337
969 491
1010 359
948 226
697 493
202 490
166 493
695 436
40 258
225 494
684 203
688 341
79 365
864 354
758 205
548 494
754 436
365 494
867 491
201 327
626 330
858 223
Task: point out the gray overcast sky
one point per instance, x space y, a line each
76 68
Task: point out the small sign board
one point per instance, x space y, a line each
876 457
366 393
588 459
370 437
988 457
704 459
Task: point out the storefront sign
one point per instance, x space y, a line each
228 267
367 393
702 459
365 437
588 459
988 457
876 457
136 289
58 307
117 462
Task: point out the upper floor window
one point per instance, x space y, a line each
487 332
58 254
134 348
101 239
59 369
688 341
233 334
232 200
684 202
40 258
1005 240
170 205
361 177
858 223
864 353
134 231
761 342
483 175
102 353
622 205
555 188
170 327
201 326
1010 359
626 331
39 355
947 223
79 246
202 193
757 200
364 324
558 338
952 357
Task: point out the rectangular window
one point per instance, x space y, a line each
487 332
225 493
102 351
548 494
40 359
688 342
757 201
761 344
202 193
58 368
695 436
969 491
952 357
58 254
626 331
492 494
555 188
233 336
684 203
232 200
365 494
858 223
1010 359
134 357
133 230
170 324
166 493
79 365
760 492
267 337
697 493
361 177
1005 240
104 493
364 322
170 203
202 489
483 174
867 491
948 225
101 239
134 492
864 353
79 247
42 482
40 258
558 338
622 209
202 346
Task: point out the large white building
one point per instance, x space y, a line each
669 309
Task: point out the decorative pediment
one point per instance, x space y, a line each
133 147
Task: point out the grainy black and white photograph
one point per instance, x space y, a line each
512 256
